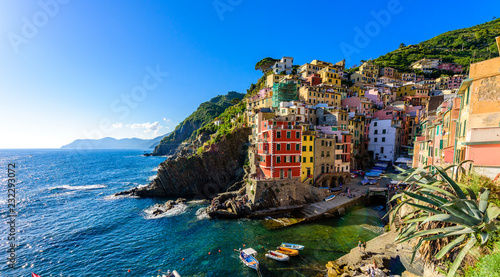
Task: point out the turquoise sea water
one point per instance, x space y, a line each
70 225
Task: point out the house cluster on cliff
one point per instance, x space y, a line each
464 125
320 119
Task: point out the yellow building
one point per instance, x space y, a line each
313 95
357 129
271 79
358 88
307 165
329 76
369 68
411 90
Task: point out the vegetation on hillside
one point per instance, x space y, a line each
447 218
462 46
205 114
265 64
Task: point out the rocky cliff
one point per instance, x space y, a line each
185 132
202 175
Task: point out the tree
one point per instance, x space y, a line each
402 45
265 64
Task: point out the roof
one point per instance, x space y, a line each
249 251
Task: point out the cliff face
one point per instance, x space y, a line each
200 176
186 130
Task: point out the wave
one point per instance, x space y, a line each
197 201
176 210
88 187
201 213
151 178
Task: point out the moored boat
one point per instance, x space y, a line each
292 246
331 197
246 256
172 274
277 256
287 251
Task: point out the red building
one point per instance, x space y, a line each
279 149
457 68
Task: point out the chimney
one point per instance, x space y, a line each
498 44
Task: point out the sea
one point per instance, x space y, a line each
68 223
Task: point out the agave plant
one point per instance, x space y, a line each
444 214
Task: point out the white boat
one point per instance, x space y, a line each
246 256
172 274
292 246
330 197
277 256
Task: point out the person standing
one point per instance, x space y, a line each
360 244
364 247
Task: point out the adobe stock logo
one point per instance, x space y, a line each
31 26
223 6
362 37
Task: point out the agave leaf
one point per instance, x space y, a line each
439 199
484 237
438 189
458 260
433 231
472 195
449 218
396 196
449 246
492 213
451 182
425 208
422 198
483 200
415 250
419 219
459 208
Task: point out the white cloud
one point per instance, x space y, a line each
167 119
149 128
116 125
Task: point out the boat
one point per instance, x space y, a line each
246 256
277 256
287 251
172 274
292 246
330 197
365 181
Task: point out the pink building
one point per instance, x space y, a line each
457 68
361 104
374 96
387 72
455 81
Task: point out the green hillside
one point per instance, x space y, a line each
461 46
204 115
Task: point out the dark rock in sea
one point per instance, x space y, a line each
200 176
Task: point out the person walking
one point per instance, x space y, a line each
364 247
360 244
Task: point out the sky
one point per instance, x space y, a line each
73 69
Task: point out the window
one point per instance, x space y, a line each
375 124
278 147
374 139
375 132
278 134
322 143
383 139
297 134
322 153
297 146
383 131
288 134
465 123
311 159
381 149
304 148
288 147
304 159
310 148
278 159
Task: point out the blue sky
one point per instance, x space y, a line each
89 69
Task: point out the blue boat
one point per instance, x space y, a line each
246 256
293 245
330 197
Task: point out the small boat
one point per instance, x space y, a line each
172 274
292 246
330 197
365 181
287 251
246 256
277 256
